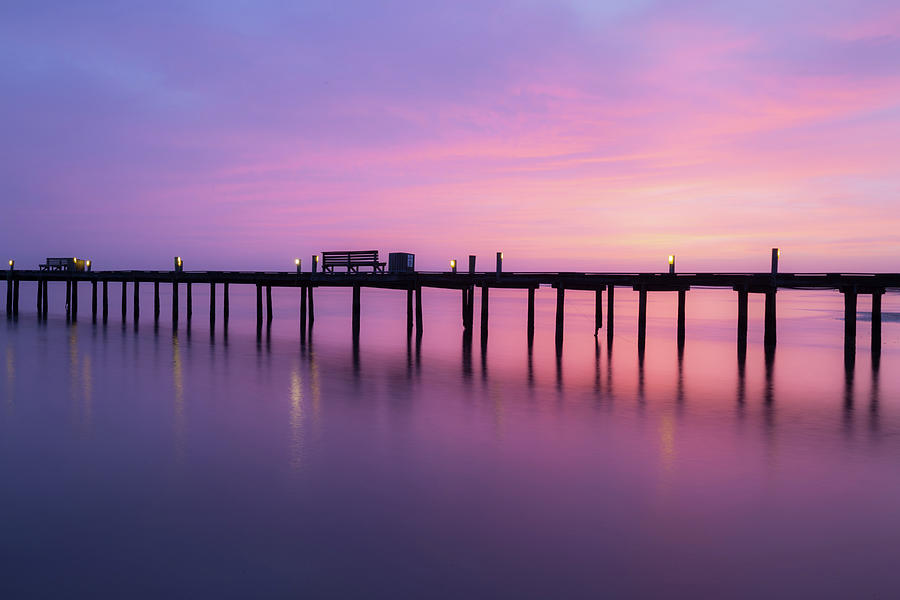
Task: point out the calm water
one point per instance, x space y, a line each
147 463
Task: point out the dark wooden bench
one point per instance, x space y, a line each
352 260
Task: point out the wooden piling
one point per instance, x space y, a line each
560 312
68 299
156 302
311 306
174 303
268 304
302 311
770 333
74 299
40 291
409 311
598 311
850 301
190 302
743 297
485 299
356 311
642 317
94 301
682 296
46 300
124 299
105 300
136 301
226 306
419 320
212 305
530 330
464 292
258 306
16 298
876 321
9 289
610 305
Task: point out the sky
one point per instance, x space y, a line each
570 134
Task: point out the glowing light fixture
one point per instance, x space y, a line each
297 261
672 263
12 263
453 265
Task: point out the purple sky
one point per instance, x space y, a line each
575 134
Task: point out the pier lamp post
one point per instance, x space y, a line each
179 264
87 265
315 263
471 264
671 264
12 264
297 264
499 264
453 266
776 254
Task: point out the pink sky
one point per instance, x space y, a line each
570 135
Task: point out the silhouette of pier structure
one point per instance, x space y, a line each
851 285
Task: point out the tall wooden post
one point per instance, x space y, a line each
124 299
485 299
94 301
303 311
68 299
530 316
174 302
156 302
136 301
409 311
190 302
743 300
850 298
642 318
770 333
46 300
40 293
560 312
598 311
419 320
258 306
212 305
356 311
105 300
610 305
74 299
268 304
226 307
16 298
876 321
682 295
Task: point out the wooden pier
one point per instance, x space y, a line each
851 285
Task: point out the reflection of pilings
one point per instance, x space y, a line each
530 317
681 301
598 311
849 370
742 373
770 332
875 396
770 373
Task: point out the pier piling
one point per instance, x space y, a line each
136 301
642 318
74 299
156 302
610 292
770 333
530 316
124 300
485 298
682 296
876 322
419 320
40 291
174 303
212 306
268 304
225 304
743 300
303 312
190 302
598 311
46 300
560 313
356 311
68 299
258 306
94 301
850 302
409 312
16 299
105 300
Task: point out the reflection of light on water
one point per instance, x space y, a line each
667 443
87 384
315 386
10 376
80 382
178 425
296 419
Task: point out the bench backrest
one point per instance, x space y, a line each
349 257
